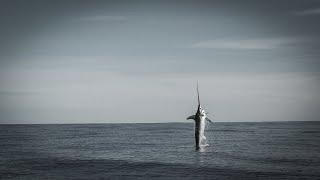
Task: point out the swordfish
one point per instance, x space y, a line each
200 119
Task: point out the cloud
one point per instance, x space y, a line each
104 18
17 93
246 44
306 12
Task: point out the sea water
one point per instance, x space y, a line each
268 150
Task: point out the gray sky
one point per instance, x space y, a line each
139 61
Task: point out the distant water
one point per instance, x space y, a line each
286 150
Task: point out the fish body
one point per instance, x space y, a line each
200 119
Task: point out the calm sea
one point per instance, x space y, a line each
273 150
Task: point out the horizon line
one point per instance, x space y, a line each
152 122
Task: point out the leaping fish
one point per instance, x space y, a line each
200 119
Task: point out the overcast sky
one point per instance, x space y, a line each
139 61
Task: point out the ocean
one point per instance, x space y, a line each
266 150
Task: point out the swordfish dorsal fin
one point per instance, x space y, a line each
192 117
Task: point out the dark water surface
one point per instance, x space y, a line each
286 150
